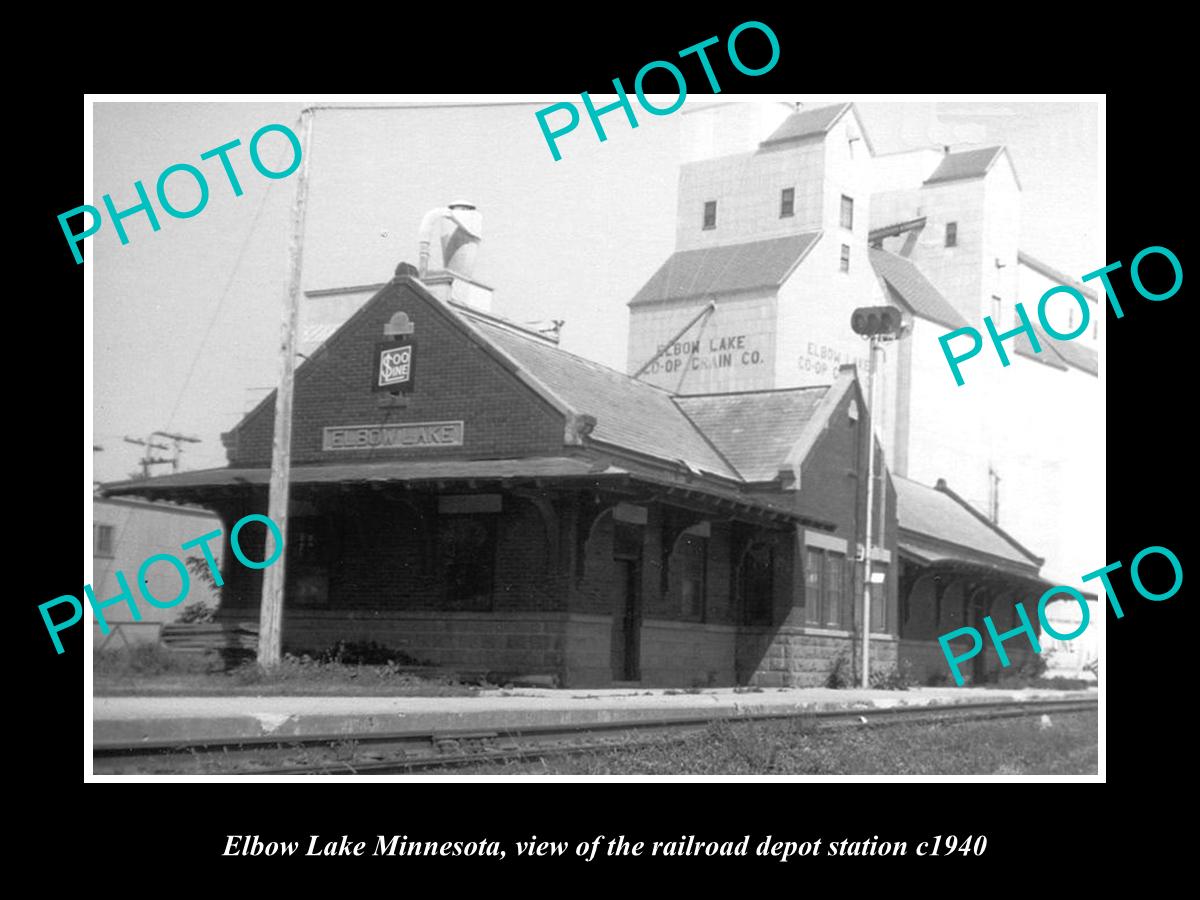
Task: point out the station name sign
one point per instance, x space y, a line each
404 436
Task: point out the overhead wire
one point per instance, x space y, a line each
225 292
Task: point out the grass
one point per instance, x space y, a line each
1068 746
150 670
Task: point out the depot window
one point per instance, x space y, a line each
844 265
757 585
689 575
102 540
311 552
847 212
826 597
710 214
467 550
787 203
309 540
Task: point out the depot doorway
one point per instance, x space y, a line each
626 653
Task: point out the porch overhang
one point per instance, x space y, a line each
939 558
569 473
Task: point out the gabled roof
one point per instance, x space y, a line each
1022 346
968 164
629 413
909 286
182 509
755 430
1058 354
1077 355
616 426
808 123
730 268
937 525
1055 275
914 289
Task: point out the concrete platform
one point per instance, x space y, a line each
153 719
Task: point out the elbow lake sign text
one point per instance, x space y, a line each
407 436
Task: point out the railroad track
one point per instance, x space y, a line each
378 753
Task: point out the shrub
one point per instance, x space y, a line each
893 678
1034 667
198 566
197 614
360 662
363 653
1032 674
840 675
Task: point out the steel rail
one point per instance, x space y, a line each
436 748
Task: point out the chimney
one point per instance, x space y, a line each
458 228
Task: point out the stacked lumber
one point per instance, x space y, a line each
210 636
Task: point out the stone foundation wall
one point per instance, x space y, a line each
688 654
505 644
804 657
576 647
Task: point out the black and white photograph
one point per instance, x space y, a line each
653 434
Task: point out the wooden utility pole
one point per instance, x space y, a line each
177 439
270 626
865 680
147 460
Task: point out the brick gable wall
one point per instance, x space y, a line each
454 380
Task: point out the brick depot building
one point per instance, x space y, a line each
518 510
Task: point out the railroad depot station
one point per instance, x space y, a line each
468 492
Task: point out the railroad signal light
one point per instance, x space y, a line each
872 321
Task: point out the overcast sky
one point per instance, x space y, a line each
187 318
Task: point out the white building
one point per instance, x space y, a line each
788 221
1019 437
775 232
125 533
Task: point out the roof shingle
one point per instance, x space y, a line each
1022 346
937 514
757 430
1077 355
915 290
807 123
1053 274
964 164
629 413
727 269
